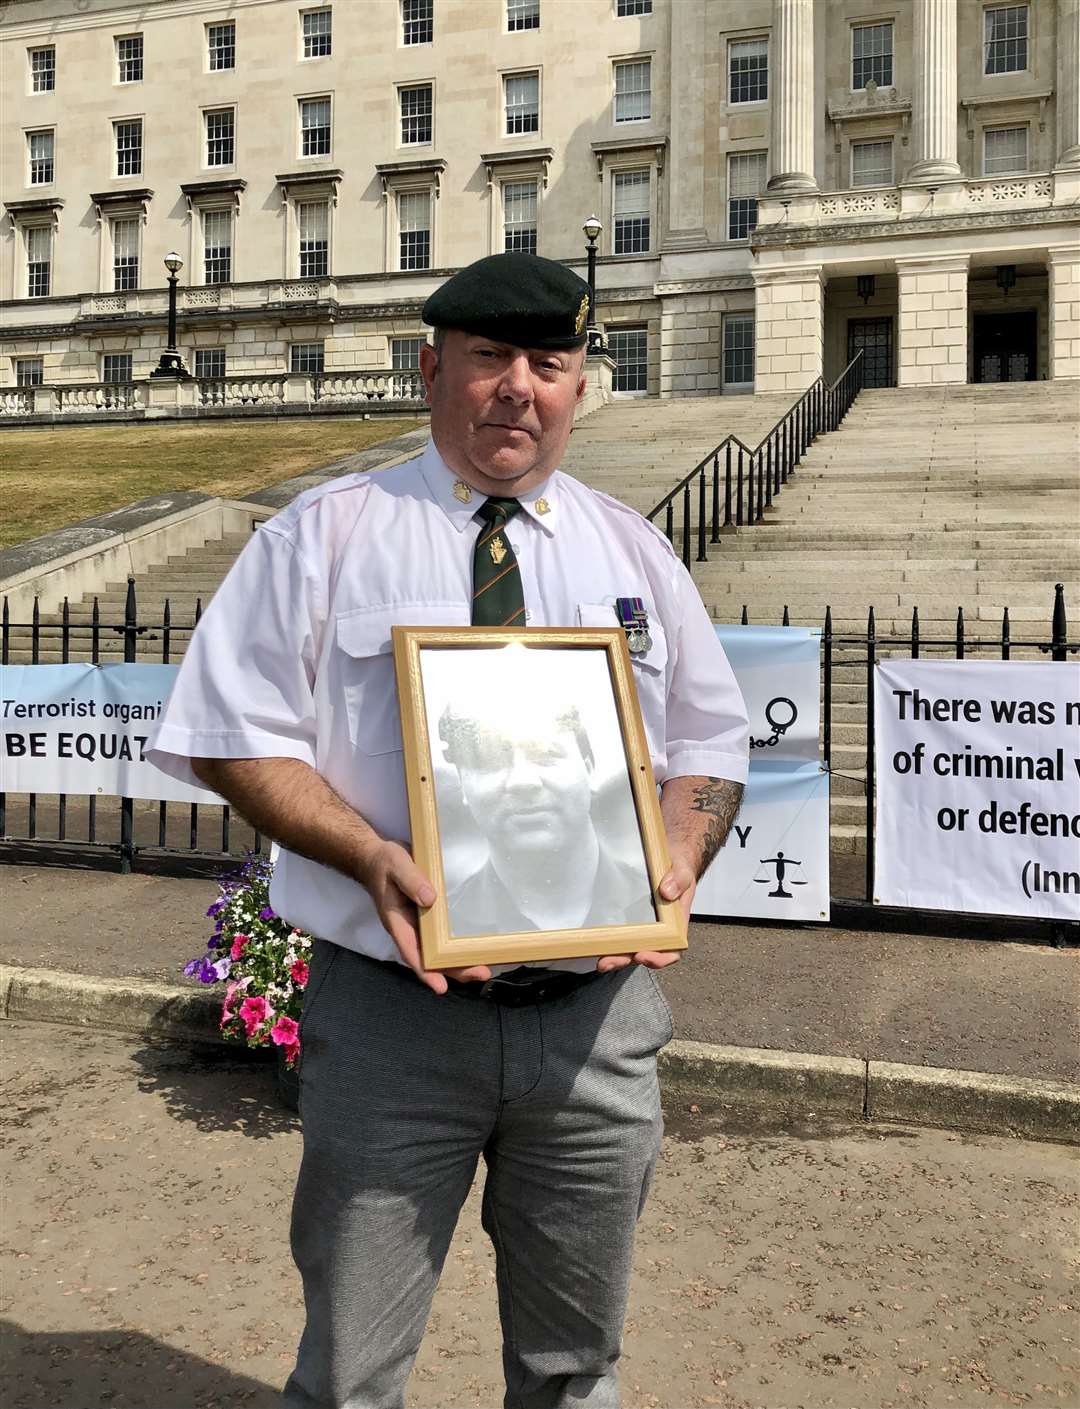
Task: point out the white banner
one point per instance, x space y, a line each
978 786
775 864
81 729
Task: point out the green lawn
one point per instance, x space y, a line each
54 477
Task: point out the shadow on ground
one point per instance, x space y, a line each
216 1088
118 1369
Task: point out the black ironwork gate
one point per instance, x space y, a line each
873 337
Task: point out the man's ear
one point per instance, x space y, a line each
429 366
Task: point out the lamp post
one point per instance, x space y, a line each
171 364
592 229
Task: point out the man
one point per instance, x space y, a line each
286 705
525 771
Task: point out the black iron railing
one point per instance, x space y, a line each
734 485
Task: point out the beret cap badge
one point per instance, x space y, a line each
582 315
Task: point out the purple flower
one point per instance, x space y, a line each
215 909
193 967
207 972
267 914
221 967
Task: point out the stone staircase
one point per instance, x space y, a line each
968 497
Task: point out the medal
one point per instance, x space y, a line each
634 620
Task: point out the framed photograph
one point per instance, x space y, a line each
531 796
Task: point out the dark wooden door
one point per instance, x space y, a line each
874 338
1005 347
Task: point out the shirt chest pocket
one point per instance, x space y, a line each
648 665
363 667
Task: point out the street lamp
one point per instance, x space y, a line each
171 364
592 229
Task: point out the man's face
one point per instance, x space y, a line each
501 415
528 793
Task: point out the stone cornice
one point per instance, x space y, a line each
718 284
790 236
108 199
33 205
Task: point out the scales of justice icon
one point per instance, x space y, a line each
781 865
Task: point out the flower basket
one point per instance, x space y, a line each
263 963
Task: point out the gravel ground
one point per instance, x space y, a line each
777 1264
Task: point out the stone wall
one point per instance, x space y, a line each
790 328
932 327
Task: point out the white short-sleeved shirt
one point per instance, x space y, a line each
292 658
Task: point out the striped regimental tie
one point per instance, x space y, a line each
497 596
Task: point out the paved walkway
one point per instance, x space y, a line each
777 1264
959 1003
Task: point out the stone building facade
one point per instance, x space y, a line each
781 182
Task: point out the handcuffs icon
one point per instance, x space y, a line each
778 729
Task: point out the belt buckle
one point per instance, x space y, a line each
485 988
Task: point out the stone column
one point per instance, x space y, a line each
1068 83
933 102
789 341
1064 269
686 157
932 326
791 97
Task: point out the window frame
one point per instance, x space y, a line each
303 15
27 381
1024 170
622 172
215 110
623 10
119 39
301 99
989 10
50 179
416 87
26 230
210 26
505 77
106 357
625 63
522 26
119 285
322 203
861 142
298 347
34 73
729 198
519 180
884 23
729 320
135 121
732 43
391 351
428 190
203 352
428 19
613 333
208 209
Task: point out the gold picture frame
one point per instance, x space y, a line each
420 649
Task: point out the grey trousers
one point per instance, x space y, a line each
401 1093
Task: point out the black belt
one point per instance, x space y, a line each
523 986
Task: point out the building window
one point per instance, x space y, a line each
630 349
871 55
1006 39
522 94
746 181
872 163
405 354
519 216
128 147
210 362
739 350
633 91
748 71
317 31
125 248
307 357
221 45
522 14
313 222
29 371
41 147
314 127
129 58
630 212
414 229
417 21
416 108
116 367
217 246
626 8
1005 151
221 137
43 69
38 261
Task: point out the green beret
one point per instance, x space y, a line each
514 298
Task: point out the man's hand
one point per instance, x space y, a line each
398 886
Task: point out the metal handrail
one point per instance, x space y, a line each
753 477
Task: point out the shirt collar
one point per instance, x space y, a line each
540 503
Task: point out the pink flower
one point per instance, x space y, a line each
226 1007
253 1013
239 940
299 972
285 1033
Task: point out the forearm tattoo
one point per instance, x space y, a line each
719 799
